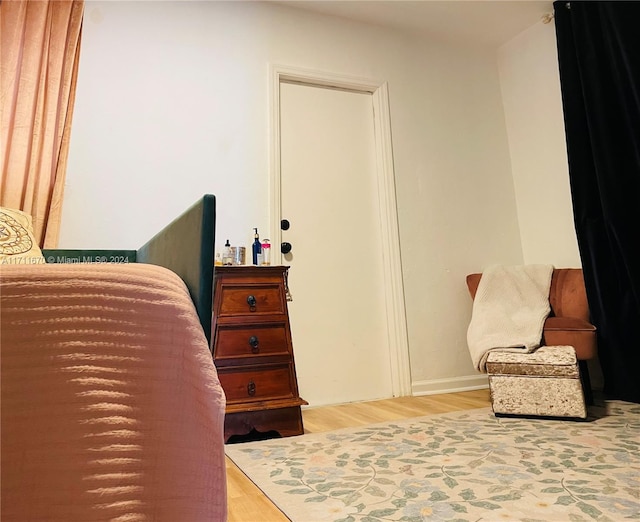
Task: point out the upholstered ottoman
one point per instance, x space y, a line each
543 383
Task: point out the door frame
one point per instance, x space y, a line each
390 247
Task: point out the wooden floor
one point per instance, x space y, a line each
247 503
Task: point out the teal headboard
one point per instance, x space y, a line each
186 246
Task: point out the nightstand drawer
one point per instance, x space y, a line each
257 384
253 341
251 299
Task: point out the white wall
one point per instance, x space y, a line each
173 102
535 125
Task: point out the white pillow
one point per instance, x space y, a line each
18 245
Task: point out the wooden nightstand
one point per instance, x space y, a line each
253 352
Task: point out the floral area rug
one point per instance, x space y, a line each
463 466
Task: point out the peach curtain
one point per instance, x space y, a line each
40 47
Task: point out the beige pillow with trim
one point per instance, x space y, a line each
18 245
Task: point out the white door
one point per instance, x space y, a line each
329 196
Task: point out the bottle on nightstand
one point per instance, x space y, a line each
266 253
256 247
227 256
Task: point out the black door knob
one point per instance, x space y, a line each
284 224
253 342
285 247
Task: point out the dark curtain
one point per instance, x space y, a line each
599 60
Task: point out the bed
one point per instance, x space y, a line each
111 404
185 246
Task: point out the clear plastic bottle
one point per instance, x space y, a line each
266 252
227 256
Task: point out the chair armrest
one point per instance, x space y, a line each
571 331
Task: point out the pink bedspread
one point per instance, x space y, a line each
111 406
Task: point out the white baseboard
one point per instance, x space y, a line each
456 384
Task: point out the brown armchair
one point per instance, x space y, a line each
568 323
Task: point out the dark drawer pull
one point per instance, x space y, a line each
251 388
253 342
251 301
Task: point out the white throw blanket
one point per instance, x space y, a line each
509 310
